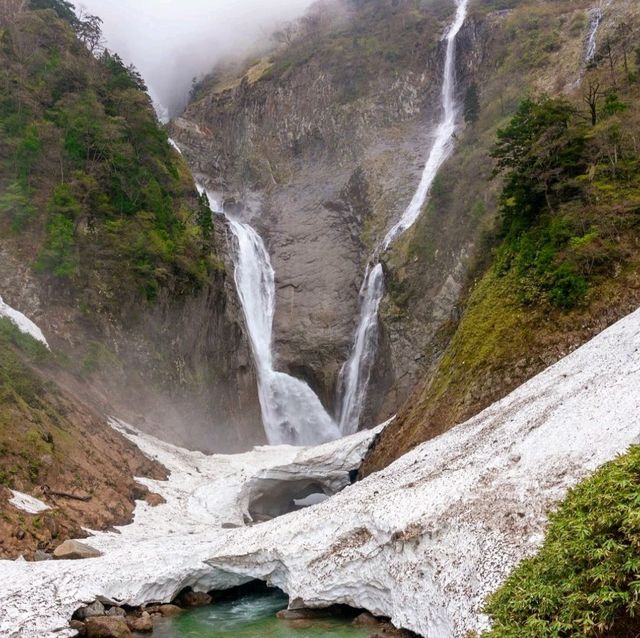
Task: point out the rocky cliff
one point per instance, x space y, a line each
321 144
107 246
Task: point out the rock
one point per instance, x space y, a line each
116 611
303 614
40 555
194 599
170 610
365 620
75 550
107 627
154 499
78 626
94 609
291 614
142 623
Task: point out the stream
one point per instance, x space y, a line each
252 616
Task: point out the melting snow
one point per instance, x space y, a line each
27 503
422 542
24 323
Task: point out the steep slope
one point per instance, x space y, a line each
556 272
106 244
54 447
321 145
422 542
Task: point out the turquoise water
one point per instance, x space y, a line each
252 616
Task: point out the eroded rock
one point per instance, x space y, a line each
142 623
107 627
94 609
75 550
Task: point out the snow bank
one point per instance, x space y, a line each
422 542
22 322
166 547
27 503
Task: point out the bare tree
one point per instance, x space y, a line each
592 97
89 31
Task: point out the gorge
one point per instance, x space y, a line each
421 214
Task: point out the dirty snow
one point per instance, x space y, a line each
22 322
27 503
423 541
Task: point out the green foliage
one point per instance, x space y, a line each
205 217
78 132
471 104
539 152
63 9
585 581
612 105
15 204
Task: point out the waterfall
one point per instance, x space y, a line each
291 411
356 372
596 16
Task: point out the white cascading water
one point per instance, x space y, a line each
356 372
291 412
596 16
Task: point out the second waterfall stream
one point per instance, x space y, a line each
356 372
292 413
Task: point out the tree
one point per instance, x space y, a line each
592 97
539 152
205 217
89 30
471 104
64 9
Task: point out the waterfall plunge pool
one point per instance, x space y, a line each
253 615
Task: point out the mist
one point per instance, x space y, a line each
172 41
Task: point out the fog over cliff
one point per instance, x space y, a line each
172 41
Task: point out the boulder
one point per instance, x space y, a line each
40 555
365 619
107 627
75 550
142 623
116 611
78 626
190 598
154 499
94 609
170 610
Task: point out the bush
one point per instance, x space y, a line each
585 581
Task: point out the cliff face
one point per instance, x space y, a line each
321 145
107 246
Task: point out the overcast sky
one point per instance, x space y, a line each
171 41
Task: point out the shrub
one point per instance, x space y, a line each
585 580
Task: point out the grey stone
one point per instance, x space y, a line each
75 550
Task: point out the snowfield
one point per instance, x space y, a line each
423 541
27 503
23 322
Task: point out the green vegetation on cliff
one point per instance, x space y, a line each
88 181
584 582
561 263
